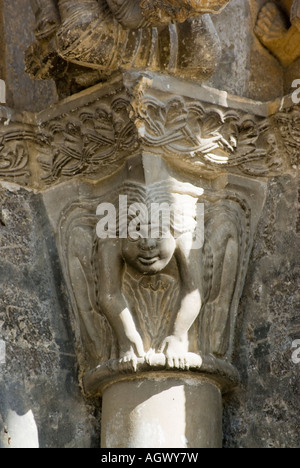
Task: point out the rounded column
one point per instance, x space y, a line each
172 412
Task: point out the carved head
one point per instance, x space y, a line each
155 216
148 255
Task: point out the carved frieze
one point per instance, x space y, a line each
92 136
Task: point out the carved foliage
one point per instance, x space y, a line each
288 124
92 140
14 153
206 136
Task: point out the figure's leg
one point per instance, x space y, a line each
47 17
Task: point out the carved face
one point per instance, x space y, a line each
148 256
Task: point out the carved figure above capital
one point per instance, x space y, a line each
171 36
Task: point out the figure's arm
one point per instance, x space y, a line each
189 265
112 301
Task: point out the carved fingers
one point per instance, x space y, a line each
176 353
131 359
131 350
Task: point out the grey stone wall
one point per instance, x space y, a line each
38 374
16 35
265 412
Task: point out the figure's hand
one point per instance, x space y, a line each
131 349
176 352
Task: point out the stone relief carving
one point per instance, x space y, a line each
288 125
13 161
97 136
152 304
157 303
173 36
278 29
14 151
205 136
94 138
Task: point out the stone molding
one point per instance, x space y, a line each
92 133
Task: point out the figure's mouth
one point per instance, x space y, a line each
148 261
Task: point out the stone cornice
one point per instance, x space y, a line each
193 126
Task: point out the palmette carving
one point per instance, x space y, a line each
14 161
14 151
92 140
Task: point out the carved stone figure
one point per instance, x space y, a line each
145 300
276 33
174 36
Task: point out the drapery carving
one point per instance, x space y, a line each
81 42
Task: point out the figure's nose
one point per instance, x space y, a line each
148 244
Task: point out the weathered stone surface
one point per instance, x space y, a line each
38 370
265 412
168 413
17 33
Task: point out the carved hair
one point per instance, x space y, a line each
181 198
